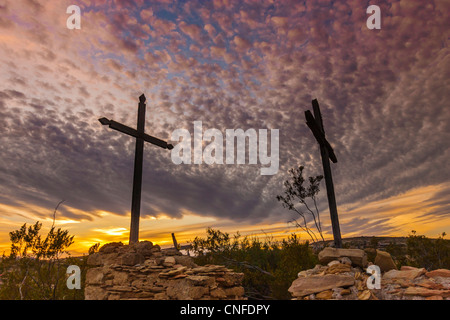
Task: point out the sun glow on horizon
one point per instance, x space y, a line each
404 212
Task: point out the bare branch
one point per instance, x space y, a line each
296 191
54 212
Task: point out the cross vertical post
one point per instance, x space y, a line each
137 177
326 151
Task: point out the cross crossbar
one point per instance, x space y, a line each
319 135
134 133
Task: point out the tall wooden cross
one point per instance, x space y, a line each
140 136
326 151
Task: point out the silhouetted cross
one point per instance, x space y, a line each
326 151
140 136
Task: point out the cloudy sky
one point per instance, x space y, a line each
384 96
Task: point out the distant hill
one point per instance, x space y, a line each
366 242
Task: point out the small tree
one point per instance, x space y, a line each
33 269
27 243
295 198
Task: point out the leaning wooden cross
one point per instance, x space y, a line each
140 136
316 125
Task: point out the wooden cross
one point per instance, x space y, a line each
140 136
326 151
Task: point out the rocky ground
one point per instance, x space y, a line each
143 271
342 275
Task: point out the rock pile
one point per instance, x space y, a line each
143 271
342 276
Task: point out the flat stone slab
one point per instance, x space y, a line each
409 274
439 273
357 256
424 292
307 285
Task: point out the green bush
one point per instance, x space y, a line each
428 253
35 269
422 252
269 266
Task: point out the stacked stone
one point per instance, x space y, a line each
143 271
339 276
342 276
410 283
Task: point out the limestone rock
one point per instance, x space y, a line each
345 260
405 274
424 292
144 248
231 279
302 274
404 268
122 288
110 247
131 259
94 276
314 284
430 284
345 292
169 262
210 269
142 271
218 293
384 261
156 248
100 259
120 278
94 259
182 291
95 293
364 295
438 273
234 292
331 263
172 272
185 261
357 256
200 280
325 295
344 282
338 268
160 296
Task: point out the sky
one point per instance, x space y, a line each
384 96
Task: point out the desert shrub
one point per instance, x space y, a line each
428 253
35 269
295 256
422 252
269 266
398 253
